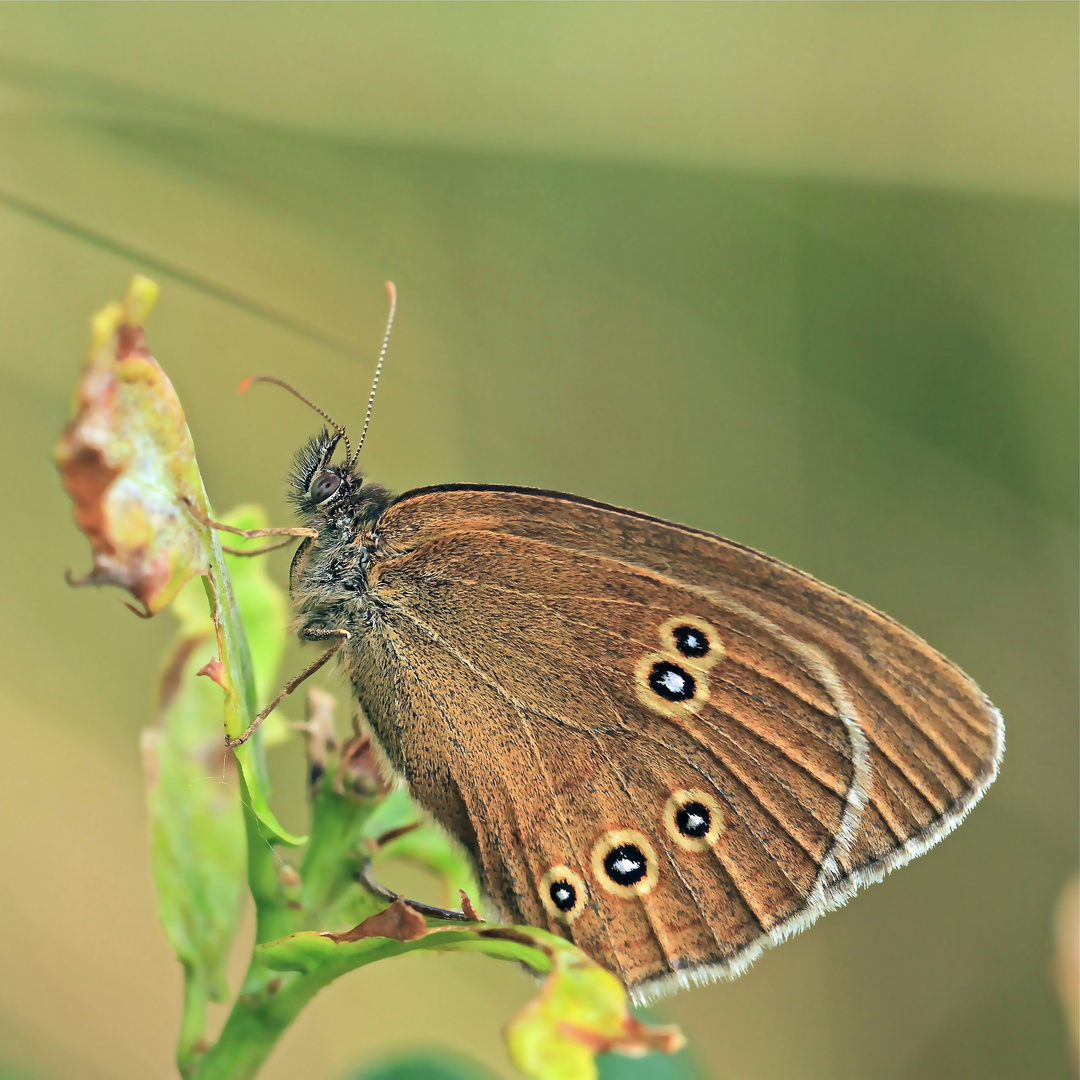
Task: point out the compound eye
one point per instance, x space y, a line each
324 485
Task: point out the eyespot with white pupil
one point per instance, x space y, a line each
563 893
671 682
693 819
324 485
691 641
625 863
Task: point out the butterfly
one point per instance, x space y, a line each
665 746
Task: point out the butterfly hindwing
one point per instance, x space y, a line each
691 748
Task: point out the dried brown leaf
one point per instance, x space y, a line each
399 921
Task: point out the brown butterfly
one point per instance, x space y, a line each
661 744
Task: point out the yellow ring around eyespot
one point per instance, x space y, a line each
716 823
652 700
712 635
563 873
615 839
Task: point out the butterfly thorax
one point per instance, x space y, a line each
329 574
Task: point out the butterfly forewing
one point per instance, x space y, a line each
662 744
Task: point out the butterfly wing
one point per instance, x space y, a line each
666 746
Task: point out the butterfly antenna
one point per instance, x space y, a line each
251 379
378 367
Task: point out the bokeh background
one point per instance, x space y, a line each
801 274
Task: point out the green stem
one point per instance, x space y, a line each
257 1021
192 1025
249 1036
332 859
252 1029
254 1025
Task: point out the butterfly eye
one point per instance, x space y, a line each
324 485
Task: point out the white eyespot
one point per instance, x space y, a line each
563 893
694 640
669 685
693 819
624 862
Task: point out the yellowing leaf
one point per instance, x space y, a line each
581 1011
127 460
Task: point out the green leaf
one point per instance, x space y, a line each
198 844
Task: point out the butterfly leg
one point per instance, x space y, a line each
250 534
449 914
256 551
311 635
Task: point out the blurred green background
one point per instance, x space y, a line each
829 248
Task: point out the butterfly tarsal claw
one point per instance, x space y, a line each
341 635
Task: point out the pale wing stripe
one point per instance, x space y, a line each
928 687
861 783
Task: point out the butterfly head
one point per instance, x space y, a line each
322 489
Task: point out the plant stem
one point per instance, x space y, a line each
192 1025
247 1039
